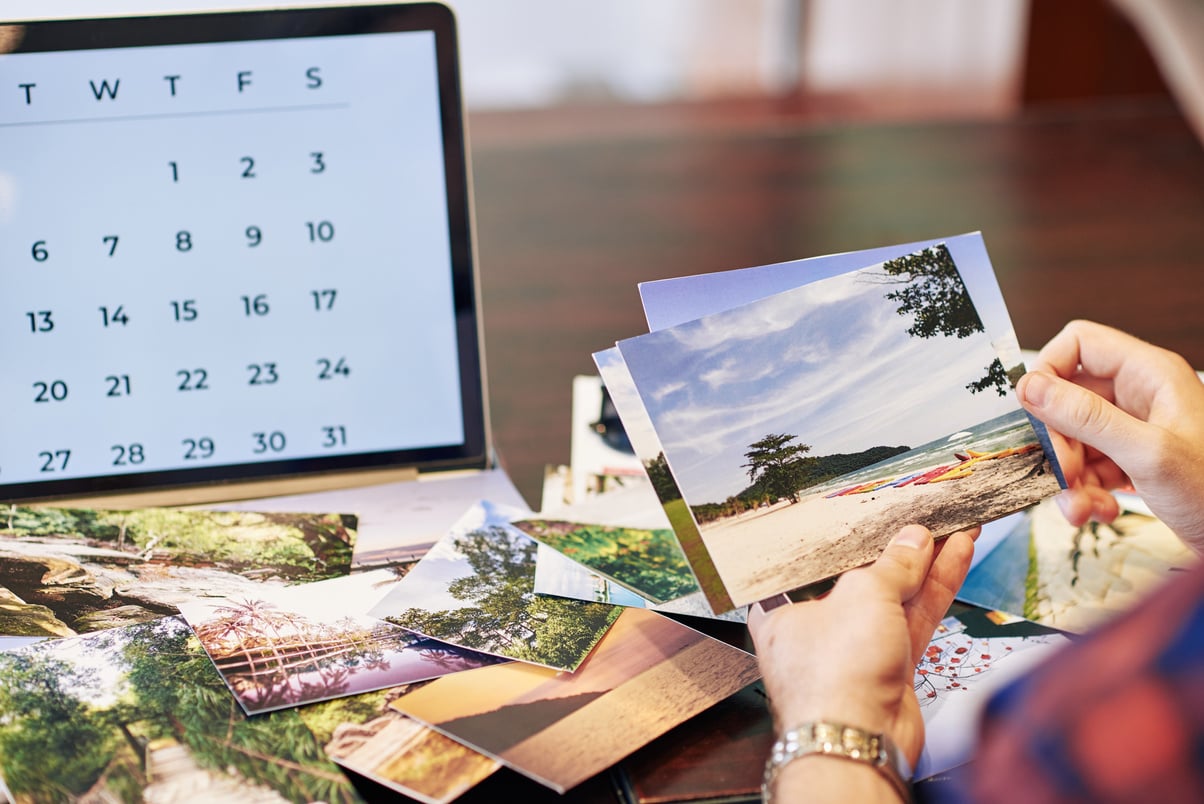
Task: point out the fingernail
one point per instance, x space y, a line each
912 536
1036 388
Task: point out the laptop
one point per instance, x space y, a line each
237 254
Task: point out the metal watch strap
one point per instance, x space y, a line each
841 741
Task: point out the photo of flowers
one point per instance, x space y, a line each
91 718
647 675
287 647
974 652
805 428
71 571
476 588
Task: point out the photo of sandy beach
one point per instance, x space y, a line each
805 428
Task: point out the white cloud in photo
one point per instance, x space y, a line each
830 362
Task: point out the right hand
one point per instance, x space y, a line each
1122 412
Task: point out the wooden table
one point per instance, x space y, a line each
1093 211
1088 211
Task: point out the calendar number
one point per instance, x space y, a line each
248 167
194 380
198 449
268 442
332 369
55 461
119 385
175 171
40 321
263 374
53 391
255 305
254 236
40 254
127 455
320 232
334 436
184 310
323 299
183 240
111 242
319 165
115 316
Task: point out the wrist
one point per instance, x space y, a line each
818 779
838 757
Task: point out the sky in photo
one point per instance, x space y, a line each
830 362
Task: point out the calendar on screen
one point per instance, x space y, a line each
234 246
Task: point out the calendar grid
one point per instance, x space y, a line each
226 254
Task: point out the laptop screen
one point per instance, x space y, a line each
234 246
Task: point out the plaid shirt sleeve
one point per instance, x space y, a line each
1118 716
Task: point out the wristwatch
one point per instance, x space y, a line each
843 742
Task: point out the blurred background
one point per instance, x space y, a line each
826 59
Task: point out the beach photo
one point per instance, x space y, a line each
476 588
647 675
71 571
138 714
805 428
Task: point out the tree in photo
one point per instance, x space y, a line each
935 296
662 479
774 463
502 614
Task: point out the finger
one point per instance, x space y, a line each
1082 415
1090 348
899 572
1088 503
929 606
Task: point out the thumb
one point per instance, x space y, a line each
1083 415
904 563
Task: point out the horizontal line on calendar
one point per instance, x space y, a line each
312 107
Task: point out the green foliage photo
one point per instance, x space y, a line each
649 562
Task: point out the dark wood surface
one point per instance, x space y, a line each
1091 210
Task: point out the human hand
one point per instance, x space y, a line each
850 657
1121 412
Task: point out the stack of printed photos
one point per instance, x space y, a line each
789 419
793 417
160 654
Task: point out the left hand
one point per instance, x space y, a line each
850 657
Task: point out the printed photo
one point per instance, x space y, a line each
366 735
476 588
973 653
647 561
804 429
647 446
647 675
1075 578
138 714
558 575
293 646
71 571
